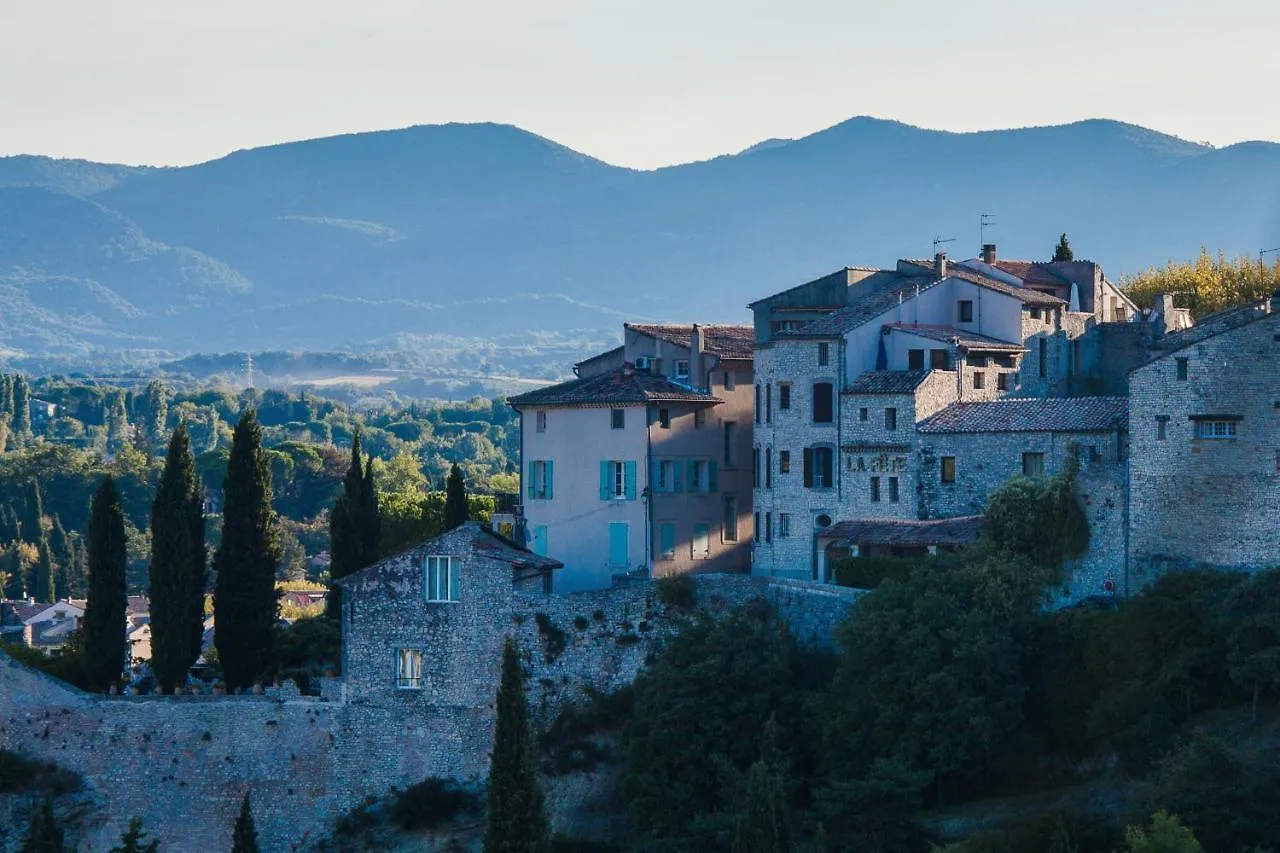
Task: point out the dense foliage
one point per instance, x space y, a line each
1209 283
244 838
354 524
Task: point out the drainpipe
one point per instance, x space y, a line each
648 495
1128 464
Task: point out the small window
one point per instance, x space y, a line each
618 479
731 519
824 354
755 528
890 419
682 369
948 469
1035 313
619 418
768 404
664 418
442 579
768 527
915 359
893 490
966 311
818 468
979 380
541 487
784 525
875 490
784 461
666 541
755 467
1033 464
938 359
1002 382
542 421
1182 369
823 402
665 475
699 475
1162 423
768 467
759 403
729 381
409 669
700 547
699 418
784 396
1216 429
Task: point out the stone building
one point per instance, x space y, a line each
642 464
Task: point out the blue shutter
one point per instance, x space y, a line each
629 479
551 480
693 477
677 476
711 476
538 545
606 486
618 545
529 480
666 539
654 473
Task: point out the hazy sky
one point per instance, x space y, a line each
635 83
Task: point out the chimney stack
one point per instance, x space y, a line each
989 254
697 346
940 264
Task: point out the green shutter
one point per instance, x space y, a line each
629 479
711 476
529 481
666 539
606 487
551 479
677 476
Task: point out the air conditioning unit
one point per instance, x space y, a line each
642 362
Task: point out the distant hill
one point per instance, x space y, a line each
492 236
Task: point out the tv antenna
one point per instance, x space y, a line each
1262 267
984 219
938 241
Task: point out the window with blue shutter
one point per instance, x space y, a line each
551 479
711 476
629 480
619 546
529 480
606 481
667 541
677 476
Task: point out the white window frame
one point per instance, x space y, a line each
784 525
441 588
409 669
540 479
618 473
1213 430
540 419
681 369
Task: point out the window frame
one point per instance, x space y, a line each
680 370
915 359
784 396
964 309
730 520
664 418
540 420
895 495
891 419
824 354
784 461
1217 429
830 409
1002 381
784 525
431 579
1183 368
875 490
1033 459
617 418
410 681
947 472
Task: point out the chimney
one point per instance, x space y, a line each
989 254
697 346
1163 313
940 264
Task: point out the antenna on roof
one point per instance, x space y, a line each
984 219
938 241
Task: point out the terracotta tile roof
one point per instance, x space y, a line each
1021 414
723 341
892 531
1032 272
887 382
495 545
1026 294
616 351
959 337
617 386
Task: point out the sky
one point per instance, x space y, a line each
640 84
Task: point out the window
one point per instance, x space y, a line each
682 369
617 480
784 525
541 480
977 361
1048 316
891 419
409 669
784 461
1044 358
730 431
875 490
768 467
1002 382
823 403
818 465
863 414
966 311
755 529
619 545
979 379
938 359
442 579
1033 464
768 404
702 476
893 490
666 476
619 417
666 541
1182 369
948 469
1035 313
759 402
755 467
664 418
731 519
699 418
1004 361
1215 429
729 383
784 395
824 354
542 421
768 527
701 545
1162 422
915 359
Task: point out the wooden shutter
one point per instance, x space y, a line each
808 468
629 480
606 482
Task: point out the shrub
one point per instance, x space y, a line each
357 821
580 623
431 803
598 615
677 591
552 636
18 775
628 639
568 745
868 572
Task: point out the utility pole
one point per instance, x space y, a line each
1262 267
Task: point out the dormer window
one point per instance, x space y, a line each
682 369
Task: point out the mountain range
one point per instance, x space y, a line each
487 238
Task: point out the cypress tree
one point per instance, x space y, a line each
245 838
104 615
20 426
9 529
455 499
177 565
43 836
11 568
245 599
354 525
42 576
1062 252
29 522
134 840
515 821
60 552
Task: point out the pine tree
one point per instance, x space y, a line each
764 825
43 836
20 426
63 559
134 840
155 413
516 821
354 525
177 565
104 615
455 499
245 837
1062 252
245 599
42 585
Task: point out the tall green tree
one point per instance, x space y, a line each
354 525
177 565
134 840
764 824
155 413
63 558
42 576
104 615
516 820
455 500
43 835
15 585
245 598
31 517
245 838
1062 251
1165 835
20 426
117 419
